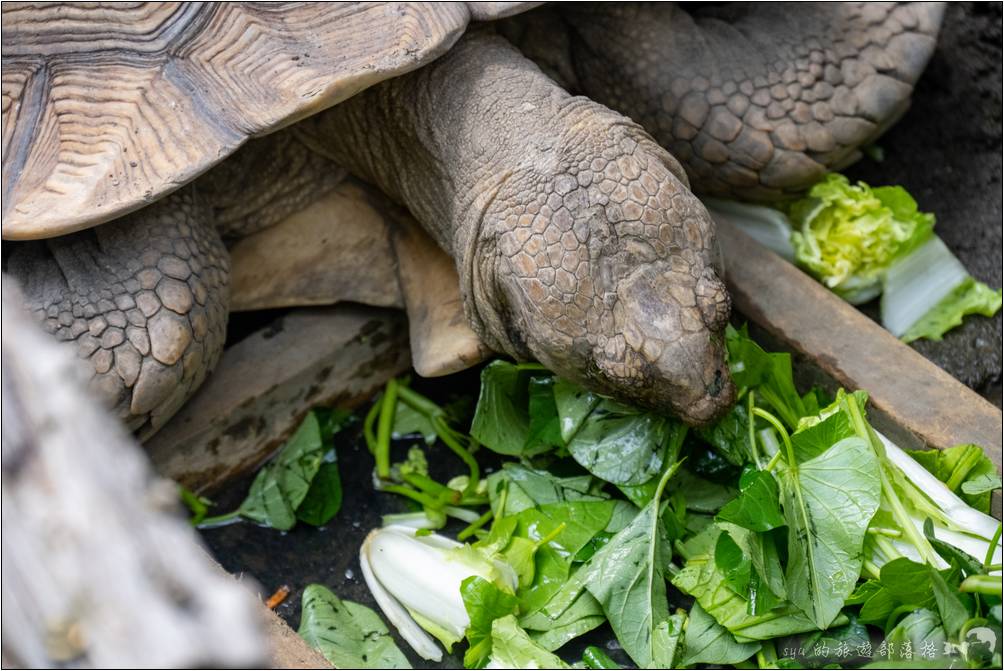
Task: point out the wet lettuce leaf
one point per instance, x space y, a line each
848 235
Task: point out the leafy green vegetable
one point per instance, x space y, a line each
409 421
756 508
574 405
282 485
324 498
512 648
526 487
348 634
701 579
969 298
828 503
960 466
584 615
621 445
484 603
848 236
626 577
501 420
544 432
908 638
708 642
769 373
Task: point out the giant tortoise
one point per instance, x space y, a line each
575 234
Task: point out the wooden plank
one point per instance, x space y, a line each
913 401
266 383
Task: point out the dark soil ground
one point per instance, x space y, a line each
946 151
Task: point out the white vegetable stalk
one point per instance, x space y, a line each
416 579
967 529
917 282
766 225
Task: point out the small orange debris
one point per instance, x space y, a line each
278 596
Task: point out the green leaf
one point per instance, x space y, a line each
527 488
626 577
915 631
512 648
734 566
901 583
769 373
349 635
324 498
961 465
707 642
544 433
756 508
582 520
950 607
621 445
409 421
837 647
812 439
730 436
584 615
501 420
484 603
574 405
666 641
281 486
767 577
828 503
970 297
701 579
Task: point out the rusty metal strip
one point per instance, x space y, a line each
912 400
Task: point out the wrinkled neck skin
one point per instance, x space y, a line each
577 240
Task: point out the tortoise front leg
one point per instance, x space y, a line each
576 238
143 298
756 100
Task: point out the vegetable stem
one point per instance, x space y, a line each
219 520
594 658
445 434
888 491
982 584
785 438
371 441
773 461
993 546
414 495
751 428
387 407
469 530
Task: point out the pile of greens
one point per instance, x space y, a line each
862 241
789 534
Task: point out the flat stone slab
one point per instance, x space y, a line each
266 383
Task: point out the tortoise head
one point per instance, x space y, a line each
611 279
